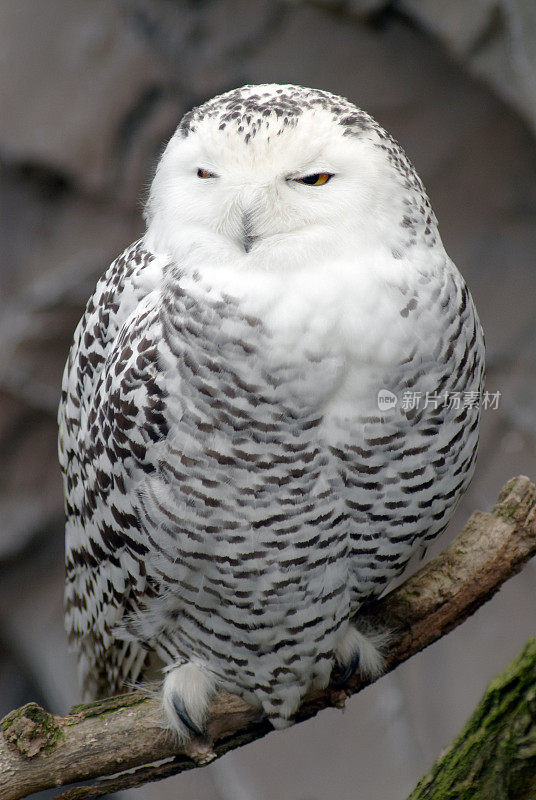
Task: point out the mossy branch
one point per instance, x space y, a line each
39 750
494 757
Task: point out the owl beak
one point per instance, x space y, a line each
248 237
248 242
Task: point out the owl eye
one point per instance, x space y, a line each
318 179
204 173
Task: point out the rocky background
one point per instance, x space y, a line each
89 92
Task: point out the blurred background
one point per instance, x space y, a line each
89 92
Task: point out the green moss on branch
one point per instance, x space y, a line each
494 757
31 729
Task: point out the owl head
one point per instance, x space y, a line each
265 176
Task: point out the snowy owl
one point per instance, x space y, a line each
271 402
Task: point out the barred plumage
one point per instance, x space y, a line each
233 491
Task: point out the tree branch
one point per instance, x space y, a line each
494 756
39 750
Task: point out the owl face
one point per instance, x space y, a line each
269 175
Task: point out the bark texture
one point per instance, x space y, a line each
494 757
39 750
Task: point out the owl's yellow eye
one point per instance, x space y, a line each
318 179
204 173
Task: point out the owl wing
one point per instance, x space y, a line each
110 409
405 469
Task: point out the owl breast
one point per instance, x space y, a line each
284 496
244 502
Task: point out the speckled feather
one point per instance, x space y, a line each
233 493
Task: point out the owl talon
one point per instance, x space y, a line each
342 677
184 717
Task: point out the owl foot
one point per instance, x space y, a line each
357 650
186 694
